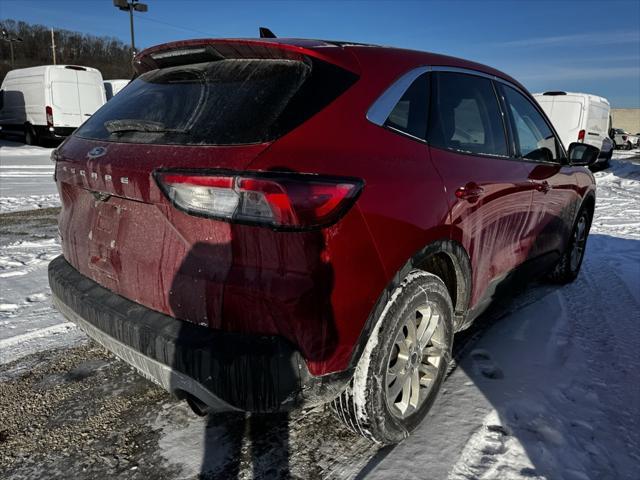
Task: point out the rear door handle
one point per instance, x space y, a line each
543 186
471 192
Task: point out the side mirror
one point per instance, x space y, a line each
582 154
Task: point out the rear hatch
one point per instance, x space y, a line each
65 98
195 105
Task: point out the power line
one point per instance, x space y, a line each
149 19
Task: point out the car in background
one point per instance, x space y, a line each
624 139
265 224
49 102
112 87
580 117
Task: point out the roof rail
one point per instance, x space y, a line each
554 93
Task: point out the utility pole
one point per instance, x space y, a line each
130 6
9 37
53 46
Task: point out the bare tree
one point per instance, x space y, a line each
107 54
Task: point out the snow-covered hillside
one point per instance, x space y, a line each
548 389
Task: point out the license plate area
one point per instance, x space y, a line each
103 243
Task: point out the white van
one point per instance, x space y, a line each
50 101
580 117
112 87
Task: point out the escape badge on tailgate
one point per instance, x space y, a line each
96 152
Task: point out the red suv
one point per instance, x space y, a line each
263 224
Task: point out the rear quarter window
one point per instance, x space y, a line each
224 102
410 113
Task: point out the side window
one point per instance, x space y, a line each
465 115
535 139
1 99
410 113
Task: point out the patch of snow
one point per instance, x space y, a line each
26 177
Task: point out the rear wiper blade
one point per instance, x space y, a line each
146 126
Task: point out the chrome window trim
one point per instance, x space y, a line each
382 107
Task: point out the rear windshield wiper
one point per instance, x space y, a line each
146 126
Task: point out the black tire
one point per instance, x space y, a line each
607 161
30 136
568 268
363 405
628 146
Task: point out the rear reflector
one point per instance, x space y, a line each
581 134
49 111
284 201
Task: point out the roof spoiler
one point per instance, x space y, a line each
211 50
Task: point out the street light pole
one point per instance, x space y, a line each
130 6
8 37
133 38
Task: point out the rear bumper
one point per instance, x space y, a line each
226 371
54 133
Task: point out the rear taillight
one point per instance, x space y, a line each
49 112
287 201
581 134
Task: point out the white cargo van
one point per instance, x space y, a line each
112 87
50 101
580 117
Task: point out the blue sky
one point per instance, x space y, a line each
587 46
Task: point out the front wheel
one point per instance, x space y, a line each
568 267
607 162
403 364
628 146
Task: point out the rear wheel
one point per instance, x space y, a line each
628 146
30 136
404 362
569 265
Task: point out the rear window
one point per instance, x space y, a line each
224 102
566 115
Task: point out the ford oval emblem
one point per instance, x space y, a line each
96 152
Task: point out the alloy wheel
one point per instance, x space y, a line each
579 241
415 360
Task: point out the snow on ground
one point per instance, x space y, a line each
26 175
550 390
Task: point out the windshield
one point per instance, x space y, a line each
223 102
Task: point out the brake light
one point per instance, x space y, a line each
49 112
581 134
288 201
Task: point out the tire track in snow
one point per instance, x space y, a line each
604 321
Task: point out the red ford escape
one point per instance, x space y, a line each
260 225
